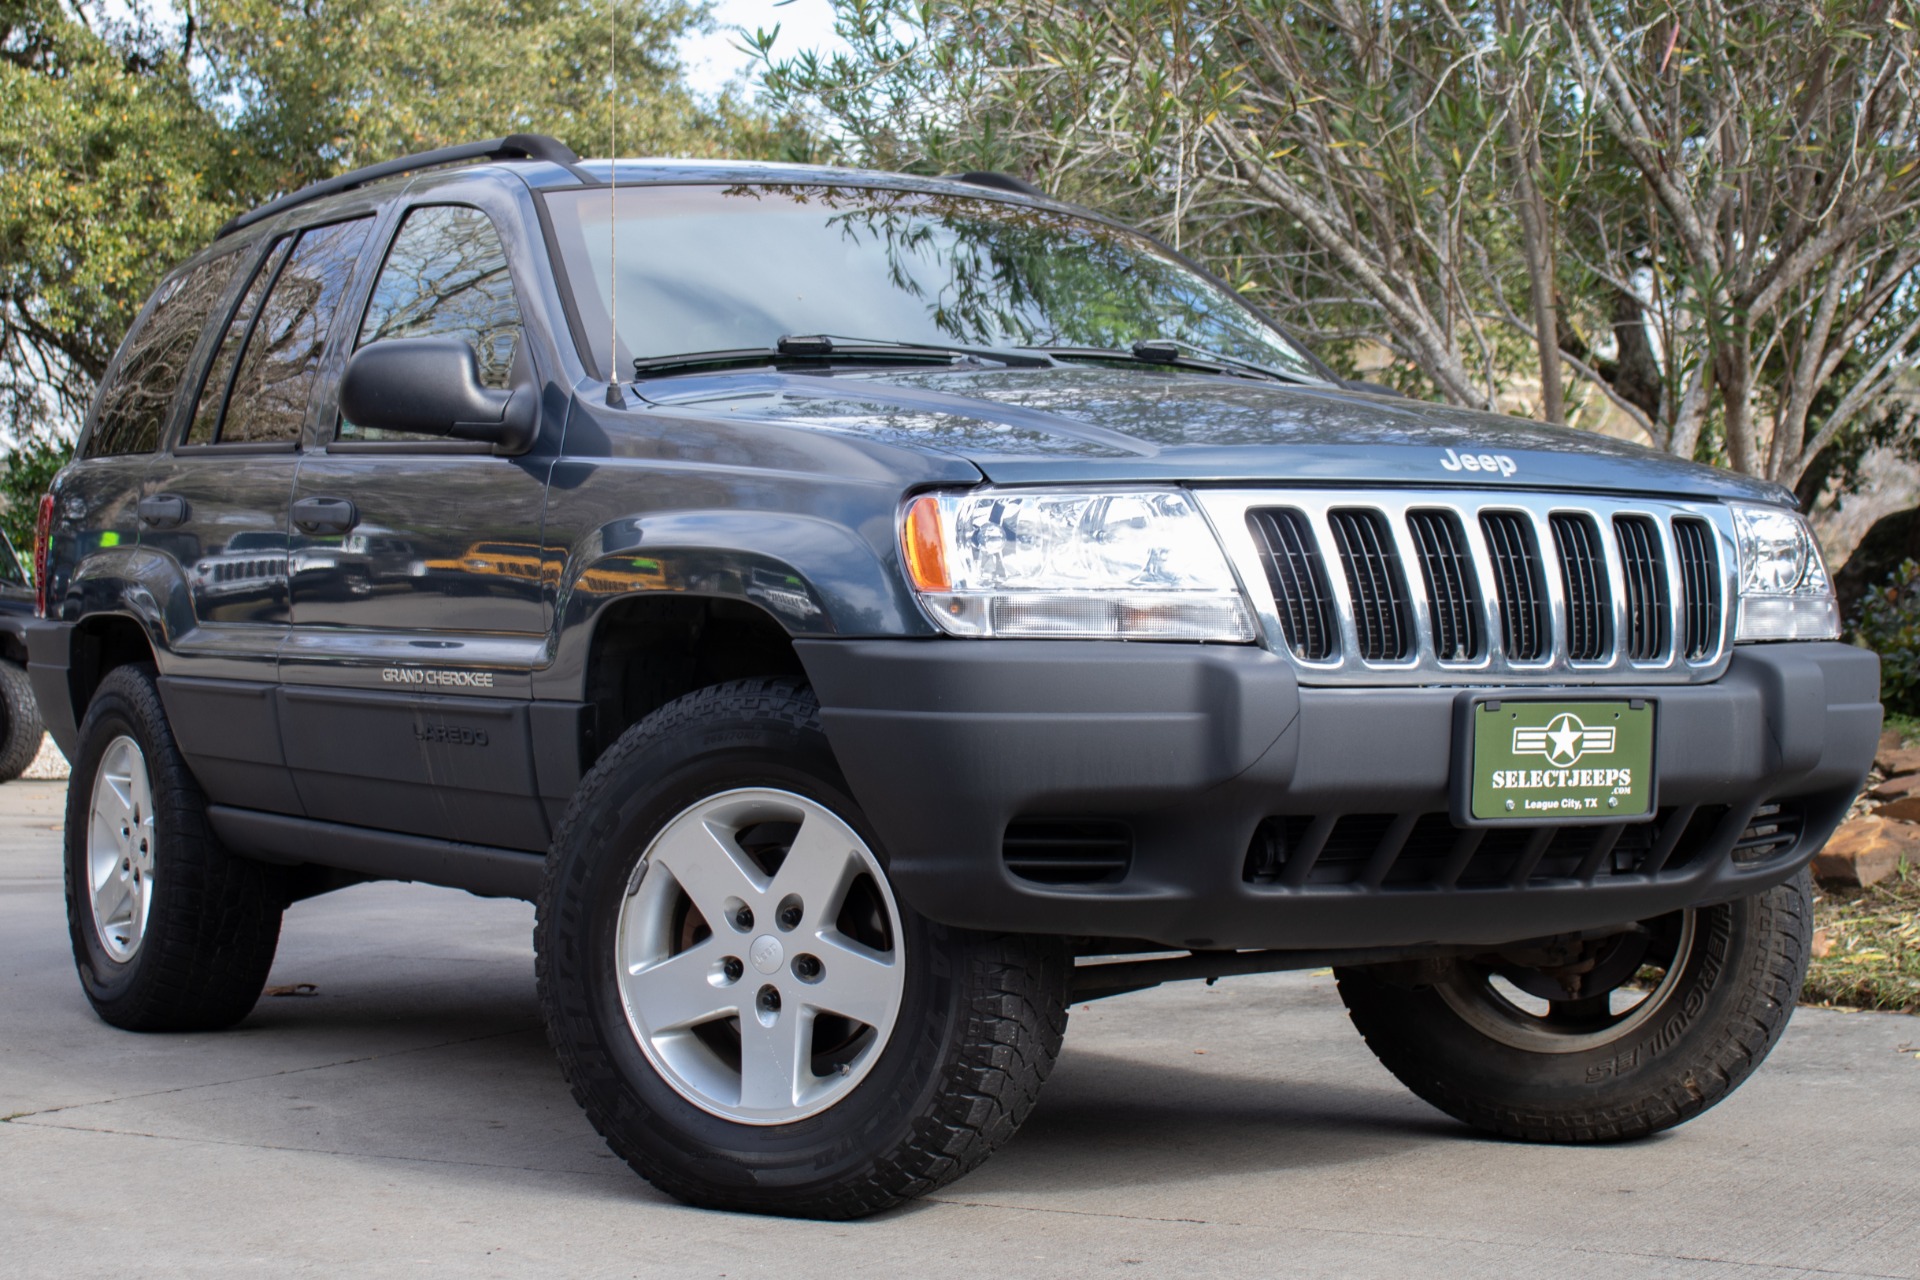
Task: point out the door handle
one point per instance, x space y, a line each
324 515
163 511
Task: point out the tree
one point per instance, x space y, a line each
1725 197
125 142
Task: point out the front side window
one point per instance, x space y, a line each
281 357
713 268
154 359
446 276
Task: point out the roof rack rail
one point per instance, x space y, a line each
1000 182
515 146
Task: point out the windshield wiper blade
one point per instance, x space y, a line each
835 343
827 348
1181 355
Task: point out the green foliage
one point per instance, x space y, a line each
125 142
30 468
1889 624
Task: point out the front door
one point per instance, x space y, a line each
419 603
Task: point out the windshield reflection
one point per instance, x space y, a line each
726 268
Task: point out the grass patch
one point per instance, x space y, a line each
1872 938
1907 726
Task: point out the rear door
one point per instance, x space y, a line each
419 594
216 505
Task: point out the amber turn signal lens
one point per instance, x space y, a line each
926 554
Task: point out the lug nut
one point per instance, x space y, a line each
790 918
732 967
743 919
769 1000
806 968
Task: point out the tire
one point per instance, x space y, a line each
1728 979
880 1113
170 932
20 727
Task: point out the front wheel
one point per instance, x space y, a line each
749 1015
1615 1038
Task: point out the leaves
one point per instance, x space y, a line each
123 145
1702 217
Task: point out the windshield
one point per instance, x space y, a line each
722 268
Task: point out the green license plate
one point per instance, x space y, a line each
1560 761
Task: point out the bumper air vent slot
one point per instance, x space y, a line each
1774 830
1649 624
1299 582
1382 621
1700 610
1453 599
1583 571
1523 596
1067 851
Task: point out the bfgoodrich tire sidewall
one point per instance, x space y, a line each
651 1125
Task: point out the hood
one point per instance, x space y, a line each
1080 424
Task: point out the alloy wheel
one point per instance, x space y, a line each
759 956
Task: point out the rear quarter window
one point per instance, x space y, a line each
155 357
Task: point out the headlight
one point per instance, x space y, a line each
1138 564
1785 593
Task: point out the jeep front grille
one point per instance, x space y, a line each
1298 582
1378 592
1448 587
1583 576
1645 577
1699 585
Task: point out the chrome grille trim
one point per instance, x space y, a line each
1693 597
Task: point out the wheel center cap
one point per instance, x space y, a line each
766 953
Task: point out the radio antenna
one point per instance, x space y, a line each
615 398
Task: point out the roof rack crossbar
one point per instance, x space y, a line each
515 146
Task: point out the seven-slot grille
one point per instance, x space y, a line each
1376 587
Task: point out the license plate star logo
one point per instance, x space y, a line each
1564 740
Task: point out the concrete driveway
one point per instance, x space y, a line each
407 1117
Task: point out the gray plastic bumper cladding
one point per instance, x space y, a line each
1229 807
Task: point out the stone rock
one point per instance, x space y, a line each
1894 788
1894 758
1905 809
1866 851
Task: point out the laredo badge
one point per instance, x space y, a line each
1561 761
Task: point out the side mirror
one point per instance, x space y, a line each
432 386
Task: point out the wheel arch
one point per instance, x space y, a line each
648 648
100 643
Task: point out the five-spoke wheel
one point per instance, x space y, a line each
758 957
120 841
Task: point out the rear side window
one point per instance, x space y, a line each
154 359
446 276
213 390
280 352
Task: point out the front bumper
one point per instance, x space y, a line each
1254 812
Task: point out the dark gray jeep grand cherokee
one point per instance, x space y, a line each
866 613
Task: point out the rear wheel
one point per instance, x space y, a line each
1614 1038
745 1009
20 727
170 932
